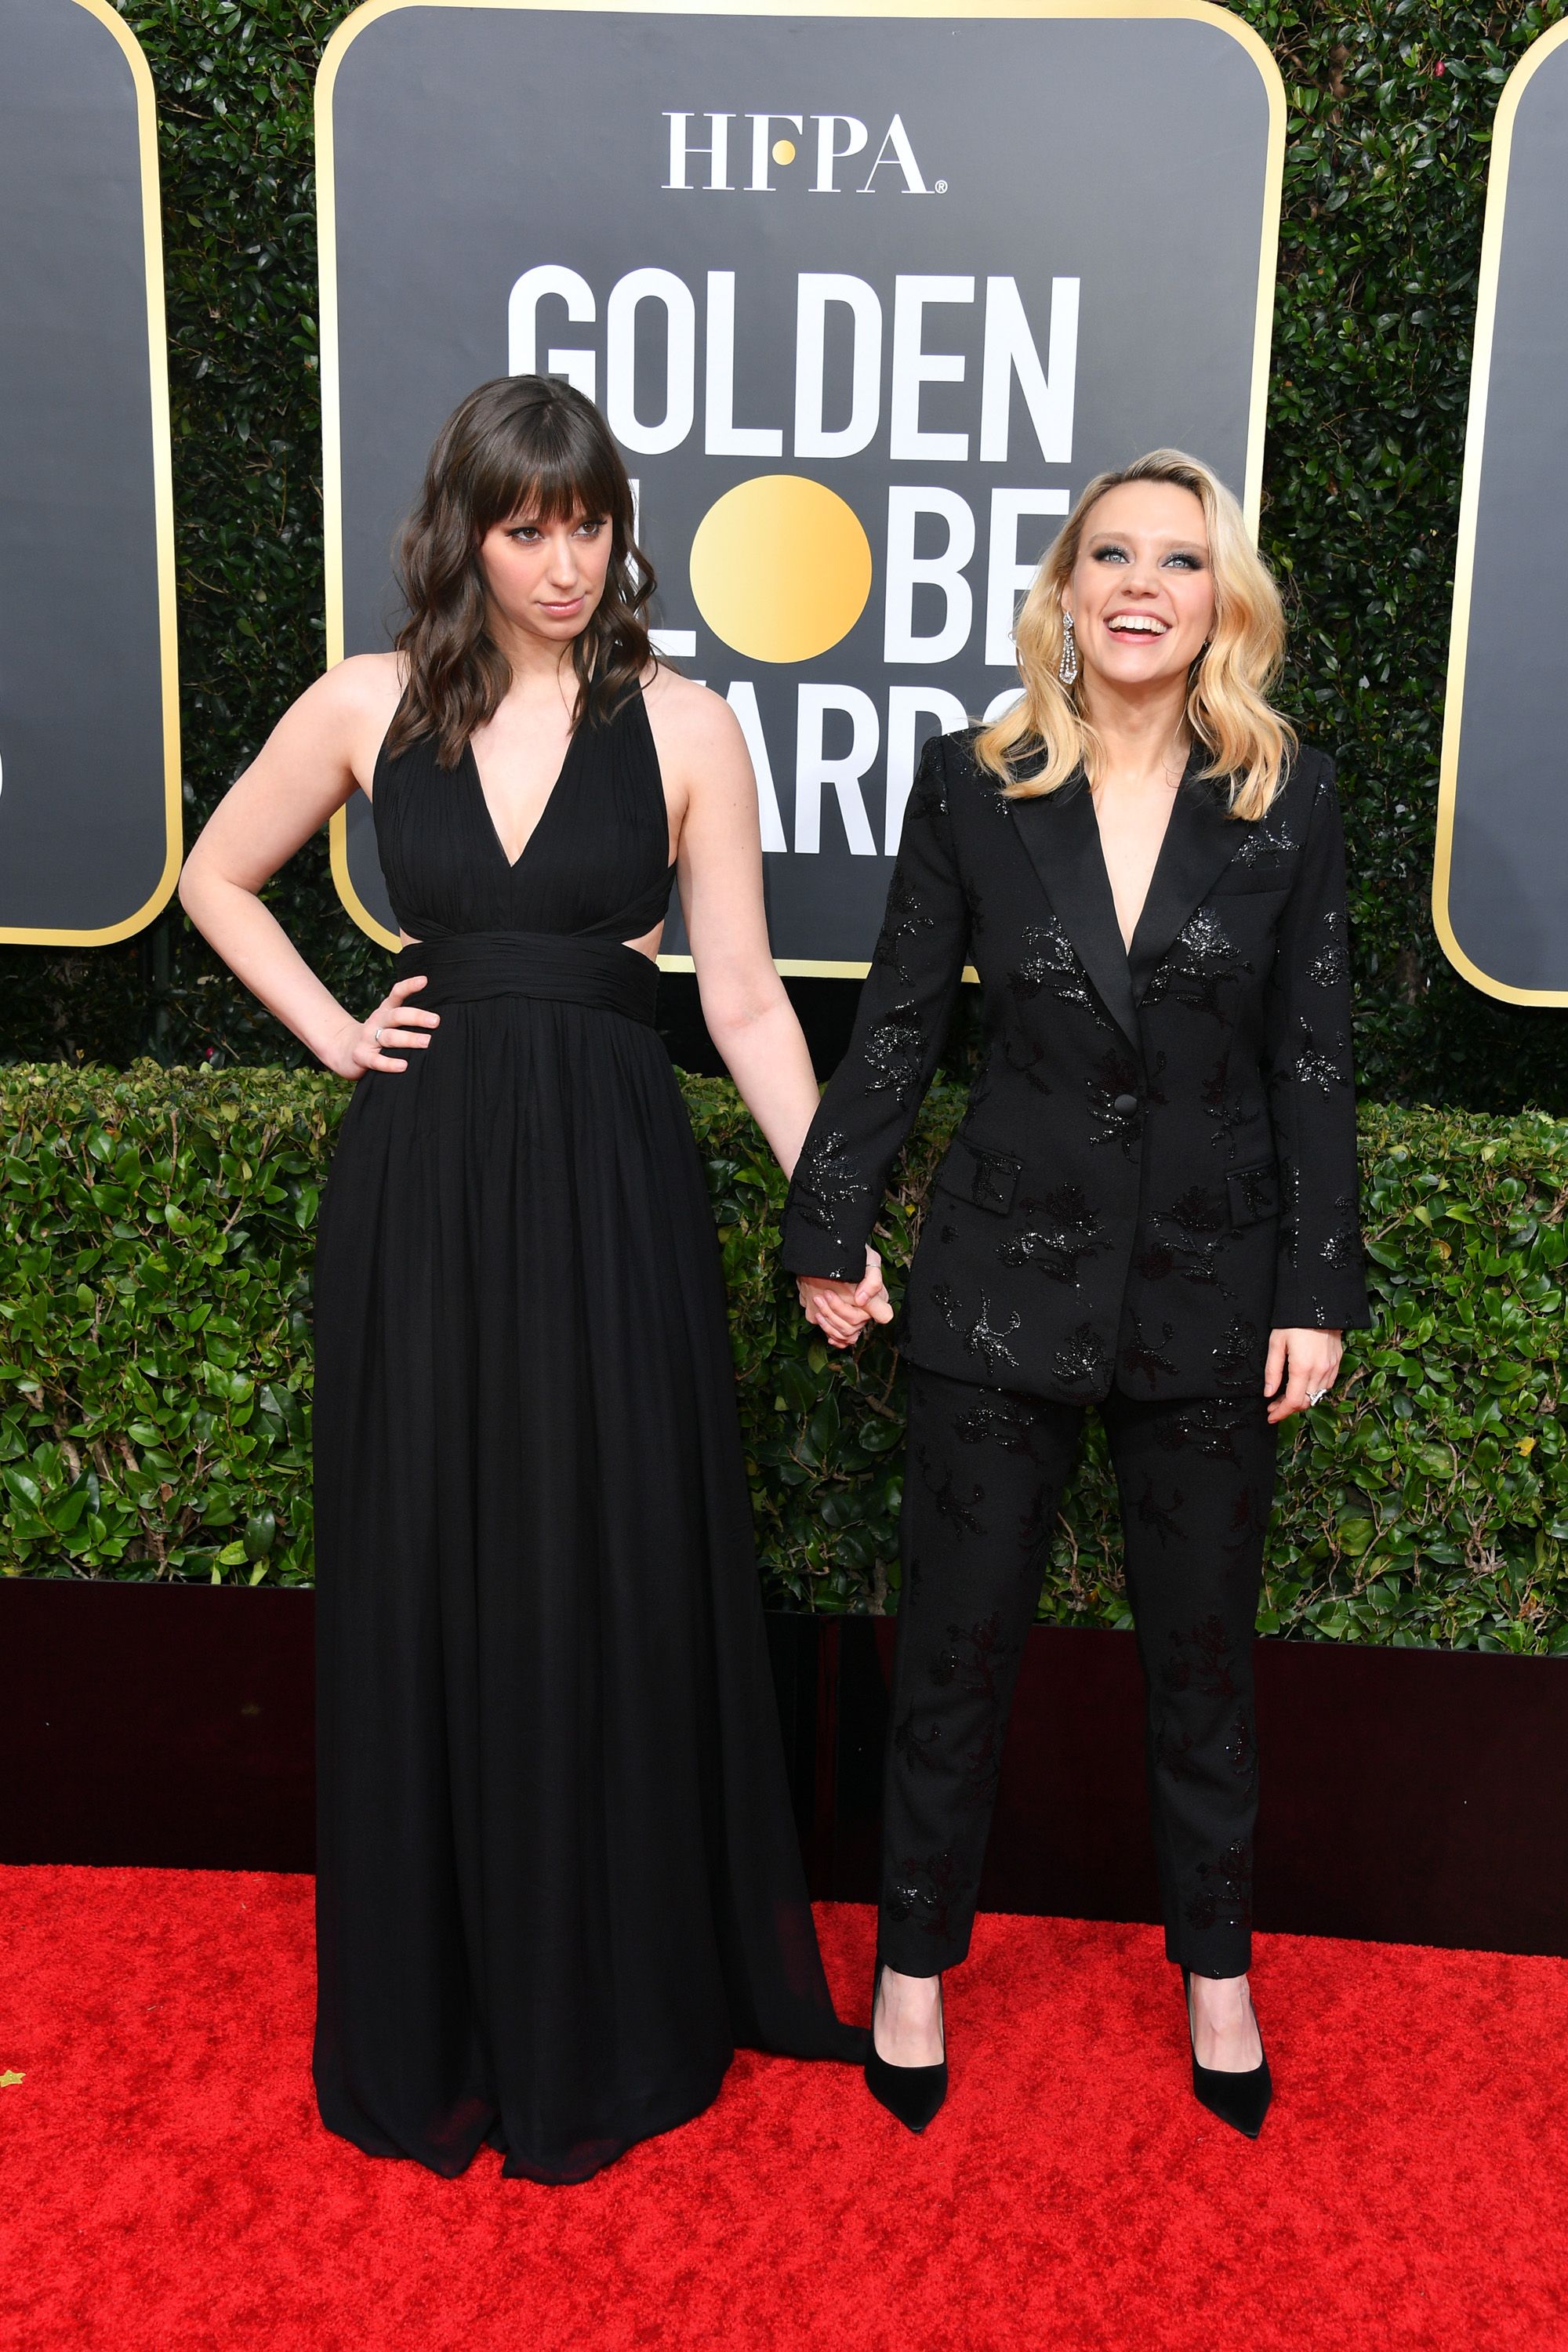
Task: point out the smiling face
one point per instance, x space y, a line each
545 578
1142 592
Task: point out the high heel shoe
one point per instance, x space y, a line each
913 2093
1240 2100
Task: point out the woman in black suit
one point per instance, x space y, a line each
1150 1207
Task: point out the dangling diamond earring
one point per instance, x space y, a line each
1066 669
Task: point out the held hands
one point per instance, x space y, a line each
394 1027
1302 1367
841 1310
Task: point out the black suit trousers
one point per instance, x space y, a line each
984 1473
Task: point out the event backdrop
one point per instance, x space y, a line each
1500 897
865 296
89 761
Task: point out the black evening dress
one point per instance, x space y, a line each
558 1877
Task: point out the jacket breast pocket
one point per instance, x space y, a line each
1253 1194
985 1178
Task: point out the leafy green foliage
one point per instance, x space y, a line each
154 1392
1390 119
155 1236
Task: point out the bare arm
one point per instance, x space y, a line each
748 1015
720 871
311 763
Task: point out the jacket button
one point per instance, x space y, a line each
1124 1106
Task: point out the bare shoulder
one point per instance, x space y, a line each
354 702
692 726
366 686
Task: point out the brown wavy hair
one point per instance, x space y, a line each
1228 708
529 445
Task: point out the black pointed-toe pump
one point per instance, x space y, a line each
1240 2100
913 2093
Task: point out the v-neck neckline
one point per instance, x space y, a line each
1128 944
512 863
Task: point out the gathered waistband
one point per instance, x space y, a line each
474 965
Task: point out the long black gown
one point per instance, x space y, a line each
558 1878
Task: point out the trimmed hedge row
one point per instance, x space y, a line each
156 1238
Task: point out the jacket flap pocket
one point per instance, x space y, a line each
986 1178
1253 1194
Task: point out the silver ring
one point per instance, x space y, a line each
375 1037
1316 1396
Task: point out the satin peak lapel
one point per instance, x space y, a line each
1200 841
1059 831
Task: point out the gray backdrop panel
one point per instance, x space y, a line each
1509 877
471 145
82 810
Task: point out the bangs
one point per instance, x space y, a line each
540 466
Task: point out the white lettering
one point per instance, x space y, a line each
912 366
682 151
1004 575
903 155
906 570
762 148
812 770
723 437
1009 351
906 706
638 287
742 698
522 325
830 152
811 439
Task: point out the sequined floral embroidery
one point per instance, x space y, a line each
904 922
1052 962
1141 1359
1315 1066
924 1891
1192 968
979 1336
1062 1229
1265 840
1224 1891
1329 968
824 1179
1202 1662
941 1486
1082 1360
1342 1246
1238 1359
895 1048
1222 1108
997 1421
1161 1516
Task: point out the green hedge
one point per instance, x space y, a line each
1388 139
155 1366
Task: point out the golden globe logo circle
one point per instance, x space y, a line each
780 568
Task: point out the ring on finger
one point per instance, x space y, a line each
1316 1396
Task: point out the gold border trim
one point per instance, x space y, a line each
162 511
1519 81
801 968
1194 11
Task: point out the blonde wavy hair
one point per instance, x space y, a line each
1229 709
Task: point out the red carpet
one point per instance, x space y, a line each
164 2183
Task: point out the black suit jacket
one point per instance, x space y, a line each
1158 1161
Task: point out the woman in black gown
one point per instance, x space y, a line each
557 1875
